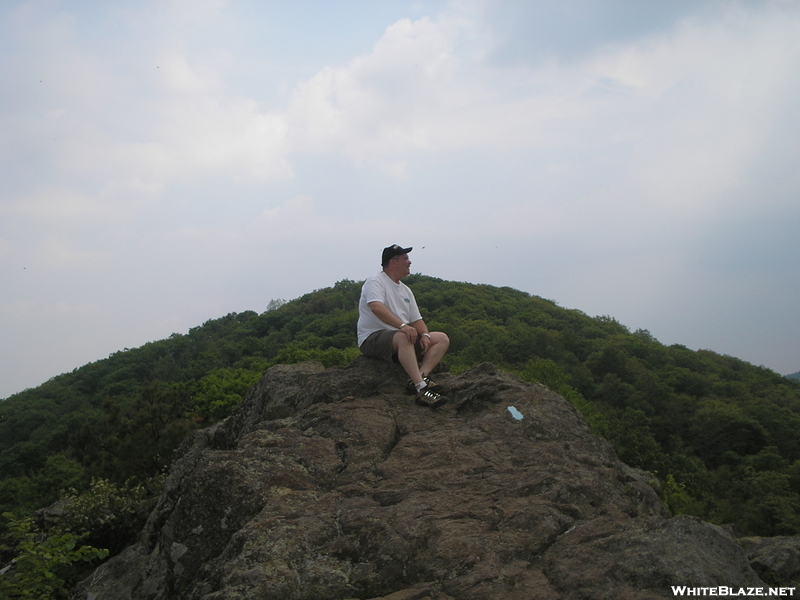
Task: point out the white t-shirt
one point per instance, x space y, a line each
397 297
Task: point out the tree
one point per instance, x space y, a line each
43 564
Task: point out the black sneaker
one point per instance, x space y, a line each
427 397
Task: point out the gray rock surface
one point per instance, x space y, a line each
333 484
776 560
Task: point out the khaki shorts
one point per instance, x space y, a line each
379 345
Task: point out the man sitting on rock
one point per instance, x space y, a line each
390 326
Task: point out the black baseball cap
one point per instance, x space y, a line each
390 252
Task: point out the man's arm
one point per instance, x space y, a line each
380 310
424 336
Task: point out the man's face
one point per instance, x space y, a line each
403 264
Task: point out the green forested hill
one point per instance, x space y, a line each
722 436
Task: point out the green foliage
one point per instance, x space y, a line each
135 436
548 373
27 493
111 514
675 497
759 493
723 436
43 567
330 357
219 392
630 434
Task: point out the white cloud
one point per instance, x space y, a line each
56 203
177 77
232 139
383 105
704 107
136 126
193 11
7 248
142 178
413 95
298 227
296 209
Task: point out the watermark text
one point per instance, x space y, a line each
723 590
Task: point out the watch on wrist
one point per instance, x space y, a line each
403 325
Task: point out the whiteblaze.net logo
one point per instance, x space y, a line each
722 590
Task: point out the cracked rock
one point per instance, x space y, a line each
332 484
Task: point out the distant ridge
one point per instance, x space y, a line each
794 376
715 429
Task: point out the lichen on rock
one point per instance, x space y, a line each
333 484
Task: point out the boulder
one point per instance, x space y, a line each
776 560
333 484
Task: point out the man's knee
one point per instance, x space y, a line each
438 337
400 340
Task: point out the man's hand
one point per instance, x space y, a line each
411 334
385 315
425 343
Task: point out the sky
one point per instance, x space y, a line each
167 162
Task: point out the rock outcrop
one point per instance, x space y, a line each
776 560
333 484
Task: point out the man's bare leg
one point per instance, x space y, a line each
407 356
438 348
